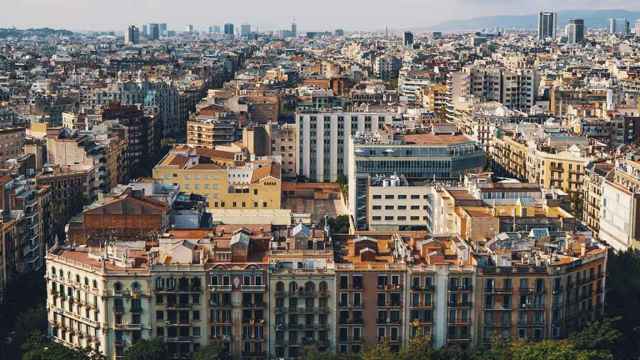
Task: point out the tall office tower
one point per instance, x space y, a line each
154 31
339 32
132 36
217 29
228 30
619 26
575 31
637 28
145 30
189 28
408 39
294 28
547 25
245 30
163 29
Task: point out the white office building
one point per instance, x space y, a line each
323 140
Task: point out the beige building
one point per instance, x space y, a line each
595 175
228 180
557 161
395 204
284 143
210 127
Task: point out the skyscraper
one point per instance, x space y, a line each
575 31
163 29
547 25
189 28
408 39
228 30
619 26
154 31
245 29
132 36
294 29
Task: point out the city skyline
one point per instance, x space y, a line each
405 14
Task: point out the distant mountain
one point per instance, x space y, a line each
18 33
592 19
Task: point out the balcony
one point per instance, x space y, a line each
253 288
221 288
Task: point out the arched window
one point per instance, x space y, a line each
309 286
279 286
135 286
323 286
117 287
95 284
293 286
53 270
86 281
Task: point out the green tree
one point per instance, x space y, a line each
30 321
623 300
418 348
153 349
213 351
36 347
598 335
381 351
339 224
553 350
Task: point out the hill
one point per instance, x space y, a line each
592 19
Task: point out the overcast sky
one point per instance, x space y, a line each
273 14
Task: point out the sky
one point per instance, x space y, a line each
274 14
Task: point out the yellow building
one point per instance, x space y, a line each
553 166
228 180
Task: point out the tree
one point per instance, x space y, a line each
598 335
339 224
418 348
623 300
213 351
36 347
553 350
381 351
153 349
30 321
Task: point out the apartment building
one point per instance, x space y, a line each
479 209
211 126
554 161
98 298
418 157
323 140
265 292
302 297
527 293
395 286
28 204
284 143
8 231
71 188
620 206
228 180
595 175
11 143
515 88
